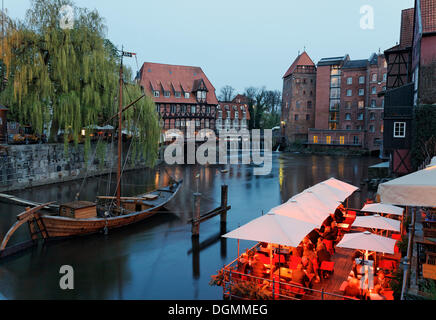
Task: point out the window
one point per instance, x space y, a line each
360 116
220 114
362 80
361 104
307 117
348 116
348 127
350 80
328 139
157 108
342 140
349 93
156 93
335 82
373 103
373 90
178 94
361 92
309 104
173 108
166 94
335 93
192 109
374 77
372 116
355 139
297 103
399 129
186 95
183 108
197 122
384 77
208 110
296 117
348 105
371 128
381 128
177 123
315 139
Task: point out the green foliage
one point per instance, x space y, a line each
424 128
68 78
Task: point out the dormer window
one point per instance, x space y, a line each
166 94
201 95
156 93
186 95
178 94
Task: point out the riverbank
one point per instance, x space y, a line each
27 166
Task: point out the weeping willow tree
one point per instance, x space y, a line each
67 79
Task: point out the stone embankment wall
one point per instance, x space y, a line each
24 166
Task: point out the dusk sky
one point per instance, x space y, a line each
242 43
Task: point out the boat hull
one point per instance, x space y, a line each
60 227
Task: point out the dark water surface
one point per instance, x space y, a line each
154 259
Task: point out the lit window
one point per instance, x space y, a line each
361 104
399 129
328 139
342 140
315 139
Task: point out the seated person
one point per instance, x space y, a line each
339 214
299 276
320 244
313 236
380 282
243 262
329 234
308 251
308 269
298 251
353 289
258 267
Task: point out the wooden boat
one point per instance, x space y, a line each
135 209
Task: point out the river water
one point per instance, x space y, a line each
154 259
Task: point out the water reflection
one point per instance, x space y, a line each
157 259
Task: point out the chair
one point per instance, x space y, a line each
328 245
327 267
293 262
396 236
351 216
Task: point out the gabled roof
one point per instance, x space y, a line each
428 15
406 33
302 60
157 76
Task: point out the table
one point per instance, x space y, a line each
284 273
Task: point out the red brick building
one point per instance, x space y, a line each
232 114
298 99
347 111
181 94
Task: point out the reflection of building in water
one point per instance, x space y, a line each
341 165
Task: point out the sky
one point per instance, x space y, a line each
243 43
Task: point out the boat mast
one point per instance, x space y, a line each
120 132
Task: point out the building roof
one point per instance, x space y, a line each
302 60
165 77
332 61
406 33
428 15
354 64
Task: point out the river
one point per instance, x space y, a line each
154 259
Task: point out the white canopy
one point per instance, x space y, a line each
328 191
377 222
273 228
415 189
367 241
383 208
346 187
314 212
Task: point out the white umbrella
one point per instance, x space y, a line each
273 228
346 187
314 211
383 208
309 198
367 241
329 191
415 189
377 222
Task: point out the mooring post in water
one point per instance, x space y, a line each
224 189
196 215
